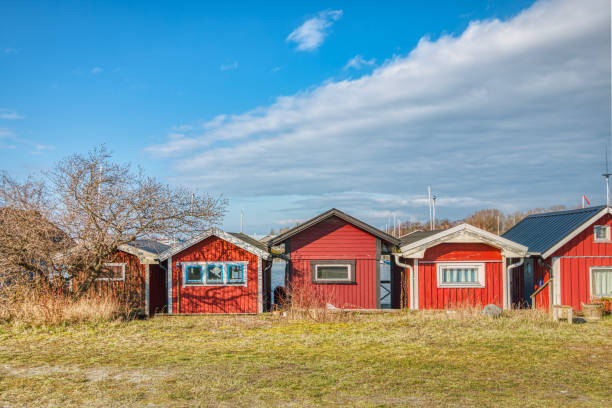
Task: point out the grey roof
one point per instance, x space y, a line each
415 236
149 245
250 240
334 213
540 232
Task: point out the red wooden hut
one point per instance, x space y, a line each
218 272
337 257
569 260
134 275
459 266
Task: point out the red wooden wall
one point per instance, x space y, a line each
432 297
131 291
335 239
216 299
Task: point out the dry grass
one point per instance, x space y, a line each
395 359
45 305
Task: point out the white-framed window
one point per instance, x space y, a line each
601 281
461 275
232 273
114 271
333 271
602 233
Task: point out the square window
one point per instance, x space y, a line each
602 233
193 274
235 273
113 272
214 274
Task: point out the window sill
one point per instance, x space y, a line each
453 286
334 283
602 241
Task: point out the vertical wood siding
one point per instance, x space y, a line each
335 239
433 297
131 291
216 299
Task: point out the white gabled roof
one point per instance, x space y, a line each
463 233
219 234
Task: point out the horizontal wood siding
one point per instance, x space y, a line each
335 239
433 297
216 299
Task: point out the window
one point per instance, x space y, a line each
194 274
113 272
461 275
602 233
214 274
333 271
235 273
601 282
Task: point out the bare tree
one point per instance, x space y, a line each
98 206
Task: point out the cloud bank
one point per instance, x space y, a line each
511 112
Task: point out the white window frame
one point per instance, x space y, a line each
224 272
349 278
122 279
601 240
591 270
480 268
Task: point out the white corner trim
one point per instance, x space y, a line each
467 233
556 276
415 286
505 293
147 285
169 284
219 234
259 286
575 232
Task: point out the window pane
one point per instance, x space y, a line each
333 272
214 273
194 274
459 275
602 282
114 272
234 273
601 232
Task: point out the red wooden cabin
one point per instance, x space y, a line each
218 272
459 266
570 257
134 275
337 257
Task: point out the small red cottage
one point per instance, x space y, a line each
459 266
569 258
337 256
134 275
218 272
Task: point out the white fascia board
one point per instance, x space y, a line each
144 257
575 232
219 234
418 247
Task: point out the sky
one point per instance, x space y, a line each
288 109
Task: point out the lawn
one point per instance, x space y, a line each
399 359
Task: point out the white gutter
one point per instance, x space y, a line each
411 280
508 269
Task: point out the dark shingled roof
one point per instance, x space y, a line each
540 232
149 245
334 213
251 241
415 236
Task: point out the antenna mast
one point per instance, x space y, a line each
242 220
607 175
429 204
433 204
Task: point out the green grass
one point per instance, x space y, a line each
401 359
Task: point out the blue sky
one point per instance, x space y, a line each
289 108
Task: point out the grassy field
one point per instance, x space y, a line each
401 359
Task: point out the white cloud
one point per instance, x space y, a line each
229 66
509 113
96 70
358 62
10 114
5 133
10 50
310 35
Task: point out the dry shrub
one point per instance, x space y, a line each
46 304
308 302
